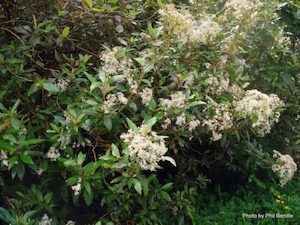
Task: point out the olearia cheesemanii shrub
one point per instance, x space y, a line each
113 108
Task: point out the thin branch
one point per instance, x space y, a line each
14 34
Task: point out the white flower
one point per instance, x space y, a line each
63 84
122 66
112 99
217 86
189 81
175 22
241 7
260 109
207 65
236 91
4 158
193 124
204 31
177 100
146 95
166 123
53 154
112 65
221 121
284 166
70 222
181 24
145 147
122 98
181 120
109 102
77 188
45 220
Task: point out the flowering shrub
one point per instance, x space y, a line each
106 104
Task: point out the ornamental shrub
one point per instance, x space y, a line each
120 112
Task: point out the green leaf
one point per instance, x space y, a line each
12 161
15 106
27 159
260 183
95 85
90 77
88 198
193 104
145 185
48 197
153 32
115 151
160 3
165 196
167 187
65 32
70 163
131 125
87 187
32 142
107 122
32 89
5 216
151 122
51 87
138 186
90 3
80 158
15 123
118 165
102 76
5 145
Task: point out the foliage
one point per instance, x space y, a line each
128 112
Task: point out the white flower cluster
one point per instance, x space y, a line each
45 220
284 166
4 158
189 81
53 154
240 7
62 84
193 124
204 31
175 22
236 91
167 122
183 25
216 86
114 66
70 222
77 188
112 99
261 109
221 121
146 95
183 81
145 147
177 100
181 120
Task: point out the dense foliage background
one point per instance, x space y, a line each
149 112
